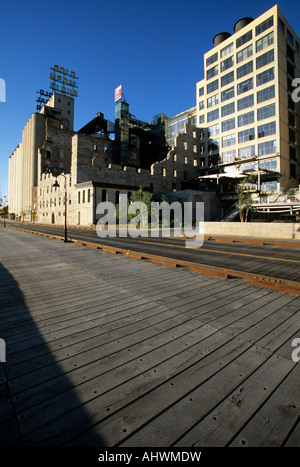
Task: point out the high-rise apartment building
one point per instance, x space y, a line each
245 101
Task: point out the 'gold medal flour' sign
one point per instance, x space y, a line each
63 81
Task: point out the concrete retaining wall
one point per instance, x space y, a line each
284 231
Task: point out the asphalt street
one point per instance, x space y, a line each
267 259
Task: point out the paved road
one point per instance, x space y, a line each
268 260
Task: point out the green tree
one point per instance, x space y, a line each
243 191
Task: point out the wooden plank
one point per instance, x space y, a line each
245 327
220 426
157 405
271 425
86 369
179 352
293 440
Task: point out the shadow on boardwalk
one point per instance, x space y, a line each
24 342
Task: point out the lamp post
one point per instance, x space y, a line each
4 224
56 185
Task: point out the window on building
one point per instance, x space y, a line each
227 50
201 105
266 94
201 91
245 102
290 69
247 152
244 53
264 42
104 196
290 52
227 63
226 79
228 141
213 130
227 94
213 115
212 59
290 37
213 86
297 47
245 86
268 147
266 130
213 100
185 160
83 196
246 118
293 170
244 70
164 172
265 76
270 164
293 154
268 23
78 197
117 197
89 195
228 124
201 119
266 112
245 38
174 173
281 25
264 59
292 136
228 109
228 156
246 135
212 72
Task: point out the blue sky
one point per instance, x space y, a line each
153 48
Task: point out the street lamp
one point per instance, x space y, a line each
4 225
56 185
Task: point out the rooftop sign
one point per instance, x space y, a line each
63 81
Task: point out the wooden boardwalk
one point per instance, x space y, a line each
105 350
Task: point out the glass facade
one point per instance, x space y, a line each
268 23
245 102
244 70
175 125
213 86
264 59
227 94
228 124
228 78
246 118
245 38
265 77
244 53
245 86
266 94
264 42
266 112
